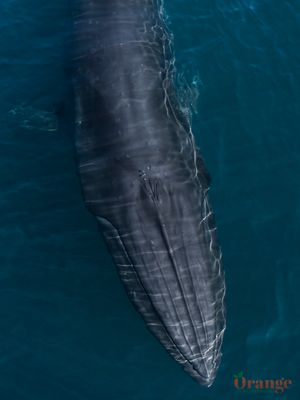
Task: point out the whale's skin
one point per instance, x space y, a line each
145 181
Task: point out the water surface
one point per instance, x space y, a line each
68 331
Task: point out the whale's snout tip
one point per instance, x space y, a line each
201 372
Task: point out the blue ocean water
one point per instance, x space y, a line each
67 329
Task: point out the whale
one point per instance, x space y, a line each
144 179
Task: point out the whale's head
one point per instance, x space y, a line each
165 246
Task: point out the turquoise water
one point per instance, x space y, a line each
67 329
